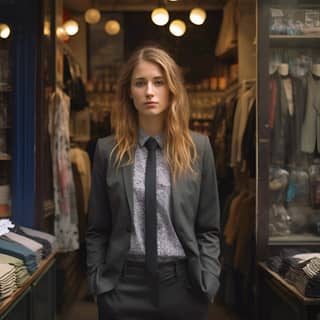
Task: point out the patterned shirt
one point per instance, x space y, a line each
169 246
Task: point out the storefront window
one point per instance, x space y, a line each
294 122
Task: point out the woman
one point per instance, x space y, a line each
153 234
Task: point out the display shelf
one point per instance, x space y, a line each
5 90
299 36
11 300
295 239
298 41
281 282
278 299
5 157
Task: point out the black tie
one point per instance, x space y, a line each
151 210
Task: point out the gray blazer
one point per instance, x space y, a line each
195 216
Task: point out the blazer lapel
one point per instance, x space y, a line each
127 179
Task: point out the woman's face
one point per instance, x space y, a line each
149 91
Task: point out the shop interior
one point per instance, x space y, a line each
236 57
215 63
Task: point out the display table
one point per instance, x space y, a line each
278 299
35 300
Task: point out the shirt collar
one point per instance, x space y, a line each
143 137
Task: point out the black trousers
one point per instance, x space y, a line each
135 299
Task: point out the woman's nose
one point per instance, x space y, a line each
149 89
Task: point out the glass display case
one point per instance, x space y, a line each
289 125
5 126
288 197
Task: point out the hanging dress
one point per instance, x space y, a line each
66 217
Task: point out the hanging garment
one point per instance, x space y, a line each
249 143
310 136
244 105
81 160
73 83
66 218
217 139
286 115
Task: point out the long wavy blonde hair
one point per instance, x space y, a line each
179 148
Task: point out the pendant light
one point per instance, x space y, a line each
92 16
177 28
62 34
4 31
160 15
71 27
112 27
197 16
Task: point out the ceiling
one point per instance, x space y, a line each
141 5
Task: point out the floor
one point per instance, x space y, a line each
85 309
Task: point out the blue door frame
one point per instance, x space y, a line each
23 18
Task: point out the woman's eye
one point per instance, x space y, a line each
159 83
139 83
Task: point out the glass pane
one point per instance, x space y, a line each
5 126
294 121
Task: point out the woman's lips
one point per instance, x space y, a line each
151 103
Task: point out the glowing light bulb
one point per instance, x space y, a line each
197 16
160 16
112 27
92 16
177 28
4 31
71 27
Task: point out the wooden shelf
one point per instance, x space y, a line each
44 264
5 157
281 282
5 88
285 41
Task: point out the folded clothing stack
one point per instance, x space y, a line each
21 252
20 269
34 246
7 280
308 281
43 235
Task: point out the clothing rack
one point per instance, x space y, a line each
248 83
230 92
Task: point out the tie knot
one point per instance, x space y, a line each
151 144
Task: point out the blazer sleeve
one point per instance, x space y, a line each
208 225
99 221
